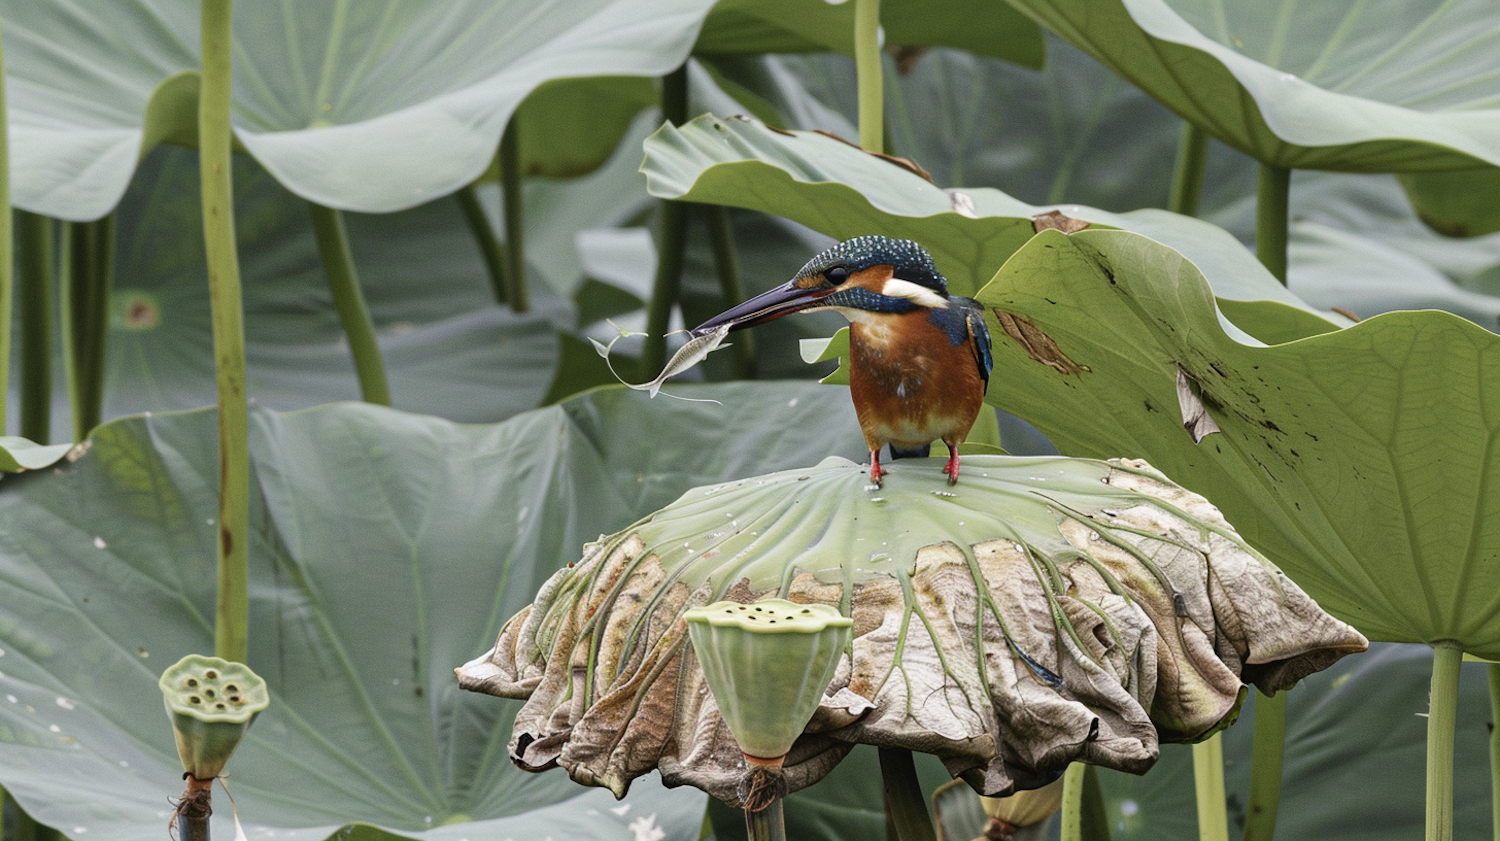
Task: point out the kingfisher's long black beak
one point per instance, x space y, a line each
767 306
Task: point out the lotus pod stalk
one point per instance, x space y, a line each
767 664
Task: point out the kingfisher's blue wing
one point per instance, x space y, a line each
979 336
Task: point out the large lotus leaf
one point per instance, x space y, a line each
1381 86
373 107
449 350
1357 460
788 26
842 191
384 546
1045 610
1356 770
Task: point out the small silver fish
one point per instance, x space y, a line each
690 354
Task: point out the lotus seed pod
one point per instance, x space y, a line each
1025 808
211 703
768 664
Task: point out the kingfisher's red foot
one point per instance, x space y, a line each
951 468
875 472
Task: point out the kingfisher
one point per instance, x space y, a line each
919 358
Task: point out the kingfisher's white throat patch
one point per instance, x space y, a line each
915 292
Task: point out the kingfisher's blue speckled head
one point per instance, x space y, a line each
875 274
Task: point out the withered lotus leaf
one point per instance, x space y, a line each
1041 611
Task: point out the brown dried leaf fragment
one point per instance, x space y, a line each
1054 220
1037 344
1195 417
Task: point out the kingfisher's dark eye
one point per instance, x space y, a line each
837 275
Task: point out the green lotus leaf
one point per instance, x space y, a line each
1383 86
790 26
449 350
1352 459
384 545
18 454
351 105
1043 611
843 192
1457 204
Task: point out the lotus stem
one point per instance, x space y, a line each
1494 674
1208 777
89 270
906 808
727 261
1187 177
7 253
34 234
231 620
762 793
1083 817
490 248
354 315
1267 755
1271 218
1442 717
671 241
868 75
515 220
194 810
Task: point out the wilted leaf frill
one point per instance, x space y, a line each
1045 610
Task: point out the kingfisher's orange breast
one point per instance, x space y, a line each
909 382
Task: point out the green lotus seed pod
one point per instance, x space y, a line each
768 664
211 703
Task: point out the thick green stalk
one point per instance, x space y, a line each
1267 756
671 241
231 621
727 261
1083 815
354 315
1187 177
89 273
1494 675
868 75
906 808
7 253
490 247
769 824
1208 779
34 235
1442 717
1271 219
515 228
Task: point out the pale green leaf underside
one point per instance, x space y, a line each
360 106
841 191
1378 86
18 454
1361 461
386 549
